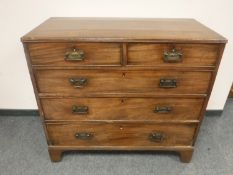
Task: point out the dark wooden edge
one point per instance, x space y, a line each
35 112
70 122
126 67
113 40
188 96
126 95
129 148
220 53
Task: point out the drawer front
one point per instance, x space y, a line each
166 109
79 82
190 55
120 134
75 54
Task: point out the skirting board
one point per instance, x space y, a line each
213 113
18 112
26 112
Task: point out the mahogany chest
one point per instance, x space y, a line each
122 84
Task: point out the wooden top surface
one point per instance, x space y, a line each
122 30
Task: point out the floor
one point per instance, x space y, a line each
23 151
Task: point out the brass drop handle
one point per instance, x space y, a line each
79 109
168 83
162 109
172 56
75 55
78 82
156 137
84 135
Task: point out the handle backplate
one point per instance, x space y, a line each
84 135
163 109
78 82
79 109
75 55
173 56
156 137
168 83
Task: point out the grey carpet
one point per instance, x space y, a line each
23 151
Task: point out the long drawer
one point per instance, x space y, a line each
111 81
167 109
75 54
120 134
190 55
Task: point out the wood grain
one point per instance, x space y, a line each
194 55
104 81
123 108
122 30
123 65
120 134
53 54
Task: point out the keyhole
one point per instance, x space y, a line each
123 74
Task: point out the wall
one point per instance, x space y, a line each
19 17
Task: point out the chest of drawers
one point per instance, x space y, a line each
122 84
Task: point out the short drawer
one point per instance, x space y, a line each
190 55
120 134
80 82
164 109
75 54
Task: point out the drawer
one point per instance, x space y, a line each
190 55
81 82
166 109
75 54
120 134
